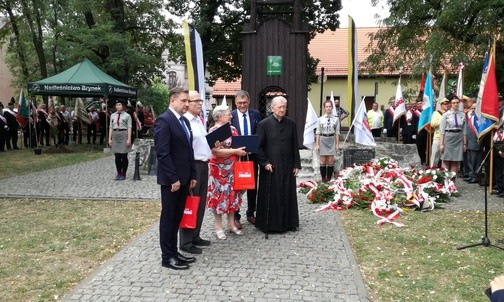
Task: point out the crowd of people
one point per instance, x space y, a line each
56 126
454 137
186 162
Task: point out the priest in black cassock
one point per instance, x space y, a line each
279 161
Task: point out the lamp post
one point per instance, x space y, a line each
321 88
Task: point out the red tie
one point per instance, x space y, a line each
118 119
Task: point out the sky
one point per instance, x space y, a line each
362 12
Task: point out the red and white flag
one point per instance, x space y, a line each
400 107
362 131
310 126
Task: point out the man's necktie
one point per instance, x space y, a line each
456 120
118 119
245 125
182 123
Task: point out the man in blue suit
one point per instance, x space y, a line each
176 174
245 120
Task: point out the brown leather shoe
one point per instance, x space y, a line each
238 224
251 219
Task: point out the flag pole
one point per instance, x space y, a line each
349 130
29 128
490 181
428 148
398 129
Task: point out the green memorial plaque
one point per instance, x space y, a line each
274 65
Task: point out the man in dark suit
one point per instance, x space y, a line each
176 174
474 149
12 136
245 120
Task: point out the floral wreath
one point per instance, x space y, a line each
384 188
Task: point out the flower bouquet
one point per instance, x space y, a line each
317 192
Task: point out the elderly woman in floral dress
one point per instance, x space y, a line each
222 198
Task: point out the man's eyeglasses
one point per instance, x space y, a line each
196 101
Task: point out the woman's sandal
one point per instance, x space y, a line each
236 231
220 234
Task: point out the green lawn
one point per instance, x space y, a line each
420 262
18 162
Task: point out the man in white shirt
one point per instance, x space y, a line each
190 238
375 120
92 128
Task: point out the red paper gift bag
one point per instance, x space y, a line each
244 175
190 212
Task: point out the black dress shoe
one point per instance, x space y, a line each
202 242
251 219
472 181
185 259
192 249
174 263
495 192
501 195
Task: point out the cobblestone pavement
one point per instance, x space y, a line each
315 263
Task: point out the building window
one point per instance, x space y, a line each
172 79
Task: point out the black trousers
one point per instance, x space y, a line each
172 208
103 135
12 136
44 131
251 194
91 131
188 236
421 143
3 137
498 170
474 158
376 132
121 162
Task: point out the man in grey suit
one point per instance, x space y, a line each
176 174
474 149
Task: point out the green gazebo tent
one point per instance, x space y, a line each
82 80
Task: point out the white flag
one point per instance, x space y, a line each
310 125
333 106
400 107
460 86
442 90
362 131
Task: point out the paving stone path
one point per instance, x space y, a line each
315 263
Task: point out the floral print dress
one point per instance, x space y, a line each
221 197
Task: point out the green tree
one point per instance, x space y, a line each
220 24
156 95
125 38
439 34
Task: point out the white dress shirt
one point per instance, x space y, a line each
240 119
200 145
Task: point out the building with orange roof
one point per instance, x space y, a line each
331 48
